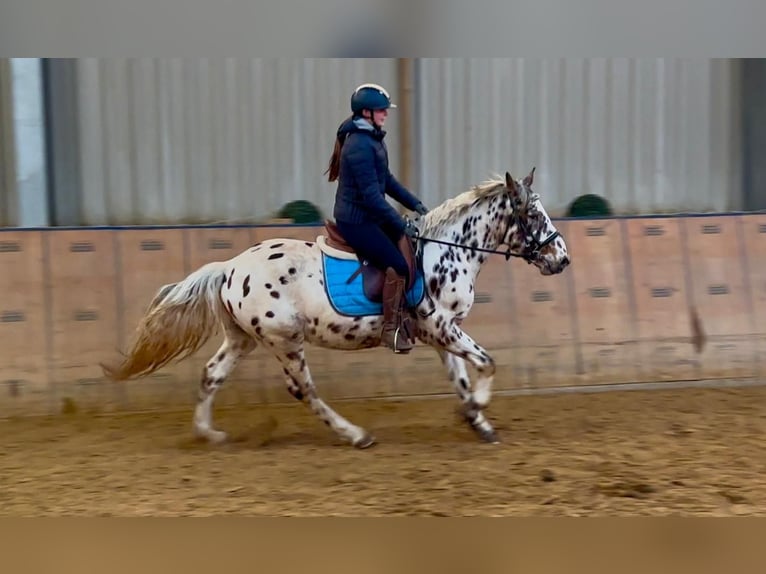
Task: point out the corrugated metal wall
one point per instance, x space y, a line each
651 135
166 140
176 140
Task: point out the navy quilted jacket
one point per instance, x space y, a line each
364 178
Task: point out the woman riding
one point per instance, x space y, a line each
364 218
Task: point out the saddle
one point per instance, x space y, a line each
373 278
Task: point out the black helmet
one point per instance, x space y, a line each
370 97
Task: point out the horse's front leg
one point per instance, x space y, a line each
457 347
458 375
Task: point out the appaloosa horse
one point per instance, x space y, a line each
284 293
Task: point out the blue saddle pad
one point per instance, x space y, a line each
349 298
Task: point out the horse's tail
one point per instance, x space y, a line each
180 319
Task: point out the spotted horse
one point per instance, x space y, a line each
274 295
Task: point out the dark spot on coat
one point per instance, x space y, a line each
268 285
334 328
291 271
269 314
283 280
275 294
293 356
276 255
231 276
246 286
254 321
276 245
228 304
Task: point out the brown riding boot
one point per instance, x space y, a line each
394 335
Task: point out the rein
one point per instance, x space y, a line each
529 254
508 254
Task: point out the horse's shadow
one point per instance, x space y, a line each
267 435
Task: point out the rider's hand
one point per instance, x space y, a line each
421 209
410 230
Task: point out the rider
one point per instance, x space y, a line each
368 223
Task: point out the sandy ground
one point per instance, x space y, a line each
691 451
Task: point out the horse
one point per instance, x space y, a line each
282 294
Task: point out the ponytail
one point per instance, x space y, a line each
333 168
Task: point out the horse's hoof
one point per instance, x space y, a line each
486 435
213 436
489 437
365 442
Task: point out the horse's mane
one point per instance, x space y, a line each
455 208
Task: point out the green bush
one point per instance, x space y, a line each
589 205
301 211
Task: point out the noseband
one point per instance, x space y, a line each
533 244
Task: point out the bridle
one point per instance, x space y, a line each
532 247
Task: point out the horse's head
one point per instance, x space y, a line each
531 232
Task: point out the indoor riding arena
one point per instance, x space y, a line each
631 383
664 313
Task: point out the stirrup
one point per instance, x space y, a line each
396 340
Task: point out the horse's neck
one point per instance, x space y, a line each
478 228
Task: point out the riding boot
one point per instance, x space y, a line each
394 335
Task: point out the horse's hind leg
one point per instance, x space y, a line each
236 345
300 385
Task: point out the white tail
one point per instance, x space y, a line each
180 319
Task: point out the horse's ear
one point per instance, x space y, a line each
513 188
530 178
511 184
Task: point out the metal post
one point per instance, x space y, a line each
29 142
404 113
8 204
754 133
